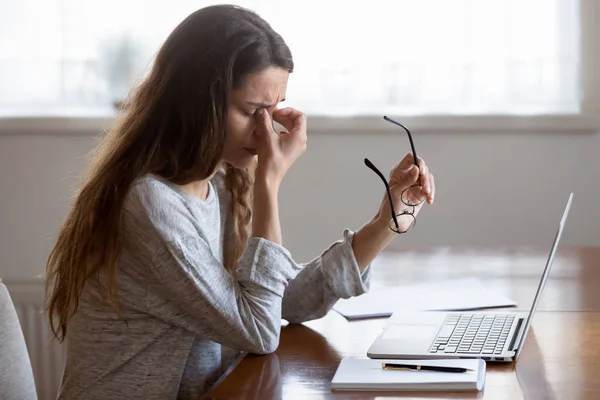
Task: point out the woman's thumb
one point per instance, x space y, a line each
412 175
264 123
406 178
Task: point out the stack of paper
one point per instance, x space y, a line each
448 295
367 374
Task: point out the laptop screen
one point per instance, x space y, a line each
549 262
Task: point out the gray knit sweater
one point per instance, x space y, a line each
186 318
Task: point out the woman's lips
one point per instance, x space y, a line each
251 151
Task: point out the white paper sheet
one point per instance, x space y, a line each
448 295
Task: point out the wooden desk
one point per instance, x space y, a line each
560 360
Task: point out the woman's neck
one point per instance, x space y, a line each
199 189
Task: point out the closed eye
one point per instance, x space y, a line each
251 114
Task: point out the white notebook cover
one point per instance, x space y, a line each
367 374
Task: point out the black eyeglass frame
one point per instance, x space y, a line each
368 163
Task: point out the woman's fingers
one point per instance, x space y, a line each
264 125
404 179
424 177
432 183
290 118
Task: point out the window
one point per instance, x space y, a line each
402 57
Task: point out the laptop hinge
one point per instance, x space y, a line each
516 339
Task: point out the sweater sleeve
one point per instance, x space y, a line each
198 294
323 281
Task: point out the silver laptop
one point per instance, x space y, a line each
492 336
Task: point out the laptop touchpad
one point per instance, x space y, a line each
410 333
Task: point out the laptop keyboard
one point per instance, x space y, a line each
473 334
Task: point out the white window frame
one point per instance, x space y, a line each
588 120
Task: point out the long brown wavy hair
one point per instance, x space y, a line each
173 126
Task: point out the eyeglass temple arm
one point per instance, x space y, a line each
387 187
412 145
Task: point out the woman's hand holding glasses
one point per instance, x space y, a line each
410 185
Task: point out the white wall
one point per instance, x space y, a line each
492 189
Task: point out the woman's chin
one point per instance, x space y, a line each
242 162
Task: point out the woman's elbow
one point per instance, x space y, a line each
265 337
264 350
300 317
266 344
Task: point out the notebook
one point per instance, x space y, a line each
367 374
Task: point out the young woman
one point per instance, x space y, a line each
170 262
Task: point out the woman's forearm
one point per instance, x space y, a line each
370 240
265 219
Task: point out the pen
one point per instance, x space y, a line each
411 367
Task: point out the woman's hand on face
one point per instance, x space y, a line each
278 151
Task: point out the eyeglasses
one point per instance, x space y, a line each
410 212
